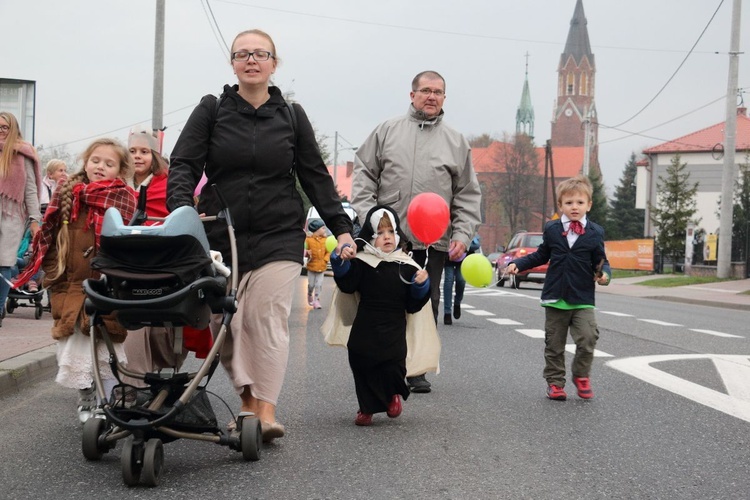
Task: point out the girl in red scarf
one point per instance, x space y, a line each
20 181
69 239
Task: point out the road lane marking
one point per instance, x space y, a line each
534 334
480 312
734 371
660 323
571 348
504 321
717 334
612 313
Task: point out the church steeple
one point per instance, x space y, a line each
525 111
575 89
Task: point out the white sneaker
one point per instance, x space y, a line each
86 404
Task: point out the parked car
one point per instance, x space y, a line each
493 257
521 244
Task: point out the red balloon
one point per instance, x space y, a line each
428 216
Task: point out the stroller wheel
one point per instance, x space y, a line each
153 460
93 429
11 305
131 462
38 311
251 438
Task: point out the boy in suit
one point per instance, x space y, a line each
574 247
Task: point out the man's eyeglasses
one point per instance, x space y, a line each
4 128
427 92
258 55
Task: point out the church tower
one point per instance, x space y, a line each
575 105
525 111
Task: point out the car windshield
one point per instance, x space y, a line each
533 240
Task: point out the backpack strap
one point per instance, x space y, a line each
293 118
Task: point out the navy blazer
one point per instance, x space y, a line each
570 275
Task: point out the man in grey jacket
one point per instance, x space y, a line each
418 153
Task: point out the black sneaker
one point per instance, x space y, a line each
457 310
447 319
419 384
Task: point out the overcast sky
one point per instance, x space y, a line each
350 64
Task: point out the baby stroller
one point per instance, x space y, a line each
23 298
160 275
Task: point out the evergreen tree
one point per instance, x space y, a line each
675 207
599 208
625 222
741 211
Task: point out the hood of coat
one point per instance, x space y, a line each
422 119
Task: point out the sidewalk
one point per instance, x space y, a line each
27 351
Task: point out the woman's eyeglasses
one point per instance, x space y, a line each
258 55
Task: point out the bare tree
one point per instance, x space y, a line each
481 141
520 184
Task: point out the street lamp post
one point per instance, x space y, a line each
336 156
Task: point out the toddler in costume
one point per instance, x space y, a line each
64 247
318 257
390 286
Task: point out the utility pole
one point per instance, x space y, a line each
157 111
587 143
335 156
729 172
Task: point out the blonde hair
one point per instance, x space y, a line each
65 200
385 223
259 33
53 165
578 184
12 141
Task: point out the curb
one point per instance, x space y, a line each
20 372
701 302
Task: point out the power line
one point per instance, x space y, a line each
121 128
445 32
215 29
684 60
639 133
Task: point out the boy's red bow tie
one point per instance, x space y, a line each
576 227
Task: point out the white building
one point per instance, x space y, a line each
702 151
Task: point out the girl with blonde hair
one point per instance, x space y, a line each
69 239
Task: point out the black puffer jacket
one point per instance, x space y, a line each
248 153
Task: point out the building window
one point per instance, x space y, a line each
584 84
571 84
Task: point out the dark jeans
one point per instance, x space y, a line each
453 273
435 263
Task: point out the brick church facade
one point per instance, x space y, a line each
574 132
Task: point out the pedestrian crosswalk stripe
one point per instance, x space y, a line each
660 323
613 313
717 334
571 348
534 334
504 321
480 312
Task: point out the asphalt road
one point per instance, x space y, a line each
673 426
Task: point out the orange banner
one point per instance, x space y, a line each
631 254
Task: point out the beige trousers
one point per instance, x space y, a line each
150 349
256 350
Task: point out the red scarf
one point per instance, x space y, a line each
13 186
97 197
